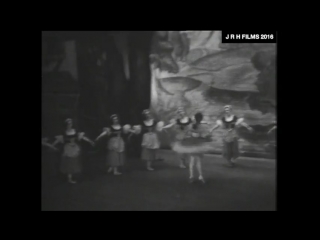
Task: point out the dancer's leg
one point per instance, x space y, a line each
191 164
227 152
235 151
115 171
149 167
182 160
199 167
70 180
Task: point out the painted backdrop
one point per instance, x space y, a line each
193 69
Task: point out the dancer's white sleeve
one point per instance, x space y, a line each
106 130
59 139
81 135
159 126
239 121
219 122
137 129
126 128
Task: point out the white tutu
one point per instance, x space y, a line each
204 147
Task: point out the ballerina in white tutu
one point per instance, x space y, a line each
198 143
183 125
195 142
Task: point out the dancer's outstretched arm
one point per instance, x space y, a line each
173 122
84 138
44 142
242 123
59 139
272 129
169 125
247 126
104 133
214 127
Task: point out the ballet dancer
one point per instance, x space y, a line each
229 122
116 145
71 156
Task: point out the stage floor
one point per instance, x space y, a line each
250 186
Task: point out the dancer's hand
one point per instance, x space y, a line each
250 129
92 143
270 131
54 148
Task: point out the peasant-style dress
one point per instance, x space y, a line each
71 155
150 140
116 147
230 137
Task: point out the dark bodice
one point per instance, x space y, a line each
229 124
115 132
150 128
183 125
68 138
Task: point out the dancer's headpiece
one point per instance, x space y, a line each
113 116
180 110
146 111
227 107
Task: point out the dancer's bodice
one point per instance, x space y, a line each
115 132
149 127
182 125
229 124
70 137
